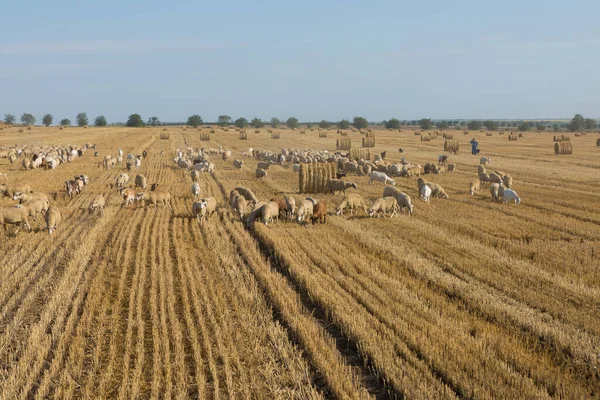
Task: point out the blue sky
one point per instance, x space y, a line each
311 59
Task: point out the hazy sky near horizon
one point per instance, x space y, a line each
311 59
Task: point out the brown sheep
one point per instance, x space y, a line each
319 213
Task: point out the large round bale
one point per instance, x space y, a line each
370 134
417 133
204 136
466 132
425 138
313 178
258 131
448 135
344 143
322 134
513 136
561 138
303 131
563 148
275 135
451 145
344 133
243 135
368 142
359 154
488 134
164 136
597 142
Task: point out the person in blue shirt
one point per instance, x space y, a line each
474 145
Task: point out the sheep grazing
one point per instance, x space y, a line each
319 213
260 173
25 197
437 190
270 212
10 190
159 196
14 216
484 178
52 218
255 213
122 180
264 165
204 209
232 195
403 199
226 154
474 187
485 161
495 178
140 181
195 189
384 205
72 188
425 193
290 206
507 180
239 206
339 185
247 193
510 195
494 188
26 164
442 159
238 164
451 167
376 176
351 201
195 175
304 211
129 196
36 206
281 204
97 205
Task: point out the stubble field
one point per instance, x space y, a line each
465 299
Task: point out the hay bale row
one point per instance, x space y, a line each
448 136
165 135
425 138
368 142
451 145
488 134
275 135
344 143
322 134
243 135
359 154
562 138
563 147
513 136
206 135
313 178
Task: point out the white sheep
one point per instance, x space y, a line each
305 210
351 201
206 207
195 189
402 198
485 160
270 212
510 195
384 205
376 176
425 193
52 218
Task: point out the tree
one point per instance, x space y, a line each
443 125
135 120
474 125
360 122
224 120
323 124
344 124
292 122
195 121
154 121
257 123
490 125
540 126
28 119
65 122
524 127
275 122
577 123
100 121
590 124
9 119
81 119
241 122
425 123
556 127
392 124
47 120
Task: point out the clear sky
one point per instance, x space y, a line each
310 59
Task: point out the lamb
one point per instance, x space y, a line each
53 219
14 216
510 195
425 193
260 173
270 212
485 160
339 185
195 175
247 193
384 205
495 178
140 181
304 211
129 196
159 196
474 186
10 190
195 189
238 164
319 213
507 180
97 205
380 177
290 206
402 198
204 209
351 201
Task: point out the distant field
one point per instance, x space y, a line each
465 299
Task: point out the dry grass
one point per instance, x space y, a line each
465 299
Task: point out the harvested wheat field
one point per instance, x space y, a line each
466 298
